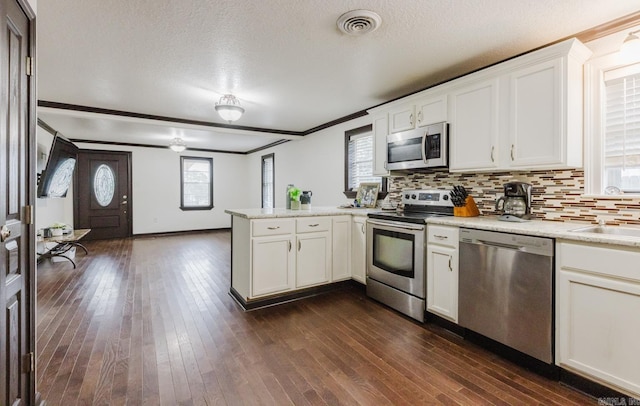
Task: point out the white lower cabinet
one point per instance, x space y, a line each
597 308
442 271
359 249
273 265
313 256
340 252
313 266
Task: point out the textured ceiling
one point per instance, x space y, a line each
285 60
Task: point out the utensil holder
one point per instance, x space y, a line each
470 209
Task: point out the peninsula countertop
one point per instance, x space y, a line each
541 228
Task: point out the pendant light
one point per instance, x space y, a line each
177 145
229 108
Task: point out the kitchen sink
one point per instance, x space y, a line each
628 231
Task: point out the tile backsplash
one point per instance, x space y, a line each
557 195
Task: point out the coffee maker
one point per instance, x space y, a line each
515 205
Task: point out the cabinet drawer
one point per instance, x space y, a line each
313 224
442 235
272 227
599 259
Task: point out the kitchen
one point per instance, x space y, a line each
563 196
565 302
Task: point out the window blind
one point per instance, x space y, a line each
622 129
267 182
361 160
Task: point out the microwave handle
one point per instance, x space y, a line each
425 146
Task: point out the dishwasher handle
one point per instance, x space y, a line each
501 245
508 241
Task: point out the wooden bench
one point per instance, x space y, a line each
64 243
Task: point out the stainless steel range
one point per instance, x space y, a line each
396 260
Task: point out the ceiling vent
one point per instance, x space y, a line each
359 22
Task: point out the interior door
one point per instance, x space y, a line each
16 268
102 194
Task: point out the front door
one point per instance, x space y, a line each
16 266
103 194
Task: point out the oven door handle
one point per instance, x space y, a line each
397 224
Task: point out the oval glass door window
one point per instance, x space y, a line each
104 185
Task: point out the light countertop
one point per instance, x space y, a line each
540 228
313 211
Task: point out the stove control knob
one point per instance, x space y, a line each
406 196
445 197
413 197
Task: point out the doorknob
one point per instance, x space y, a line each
5 233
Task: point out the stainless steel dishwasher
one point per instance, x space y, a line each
506 290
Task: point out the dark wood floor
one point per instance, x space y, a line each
150 321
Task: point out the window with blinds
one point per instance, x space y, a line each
622 129
196 183
360 160
268 180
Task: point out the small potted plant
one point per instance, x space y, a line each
57 229
294 197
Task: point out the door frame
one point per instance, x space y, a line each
76 187
31 178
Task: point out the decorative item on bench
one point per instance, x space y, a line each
464 205
57 229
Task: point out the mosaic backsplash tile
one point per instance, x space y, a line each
557 195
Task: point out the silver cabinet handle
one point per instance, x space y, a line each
442 237
289 246
362 228
411 120
314 225
273 228
420 117
299 245
512 152
450 268
492 149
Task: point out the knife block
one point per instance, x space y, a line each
470 209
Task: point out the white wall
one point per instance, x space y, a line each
155 202
315 162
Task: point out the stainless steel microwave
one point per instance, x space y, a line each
424 147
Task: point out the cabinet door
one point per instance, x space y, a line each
313 259
340 241
402 118
442 281
272 265
598 328
431 110
359 249
474 127
380 131
535 124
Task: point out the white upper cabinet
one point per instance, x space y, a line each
402 118
522 114
380 131
430 110
473 131
532 121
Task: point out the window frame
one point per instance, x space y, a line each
196 158
595 120
263 159
351 194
